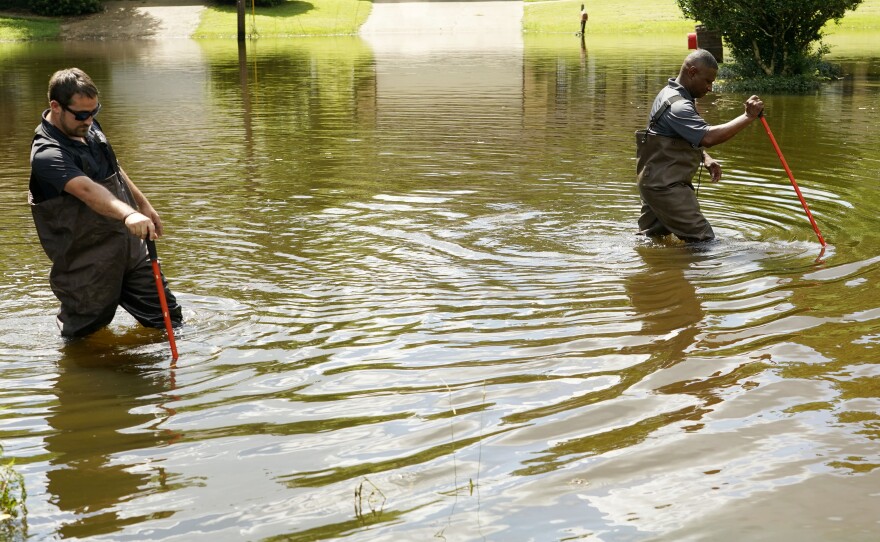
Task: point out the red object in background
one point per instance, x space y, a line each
692 40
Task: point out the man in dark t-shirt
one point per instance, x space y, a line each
673 148
91 218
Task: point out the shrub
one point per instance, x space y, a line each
14 5
733 78
770 37
62 8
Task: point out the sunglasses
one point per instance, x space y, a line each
82 115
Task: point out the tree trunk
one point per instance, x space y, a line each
757 54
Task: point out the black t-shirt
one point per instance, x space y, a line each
56 159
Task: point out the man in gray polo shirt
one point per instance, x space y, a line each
671 150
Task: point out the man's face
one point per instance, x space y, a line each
702 78
79 105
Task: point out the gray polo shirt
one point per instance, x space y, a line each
682 119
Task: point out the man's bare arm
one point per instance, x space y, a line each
103 202
143 203
724 132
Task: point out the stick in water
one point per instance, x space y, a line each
154 259
791 178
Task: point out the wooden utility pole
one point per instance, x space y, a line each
241 32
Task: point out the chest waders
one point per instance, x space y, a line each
97 265
665 168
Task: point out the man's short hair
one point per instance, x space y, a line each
702 58
65 84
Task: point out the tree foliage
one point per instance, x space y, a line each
772 37
14 4
58 8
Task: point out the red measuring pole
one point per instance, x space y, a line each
791 178
154 259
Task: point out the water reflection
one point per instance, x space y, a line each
666 300
670 314
106 417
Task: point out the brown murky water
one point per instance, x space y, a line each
416 307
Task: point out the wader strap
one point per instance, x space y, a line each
656 117
114 165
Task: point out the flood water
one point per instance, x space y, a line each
416 307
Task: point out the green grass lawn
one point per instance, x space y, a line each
865 17
14 28
654 16
293 18
606 16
